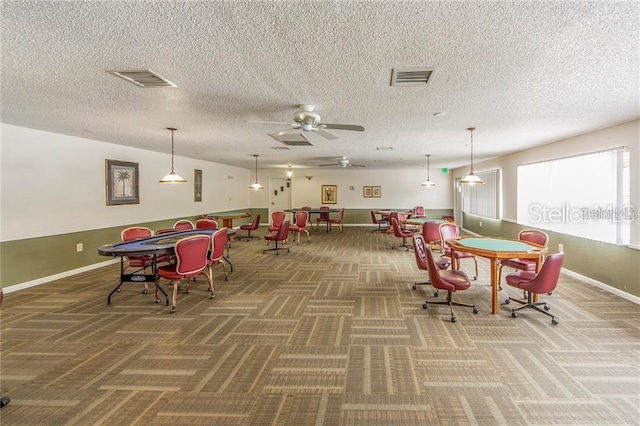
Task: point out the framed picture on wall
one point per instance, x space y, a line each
197 185
366 191
329 194
121 179
376 191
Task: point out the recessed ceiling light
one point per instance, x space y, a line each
384 148
439 114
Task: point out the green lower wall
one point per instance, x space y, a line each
616 266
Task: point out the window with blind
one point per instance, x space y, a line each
483 200
585 196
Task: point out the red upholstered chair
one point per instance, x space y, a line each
451 281
431 234
421 260
216 253
379 222
140 262
191 260
250 227
533 283
401 233
183 225
450 231
448 218
277 218
306 208
165 231
301 224
323 217
206 224
418 211
528 236
338 221
401 217
279 236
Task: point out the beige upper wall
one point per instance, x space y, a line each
626 134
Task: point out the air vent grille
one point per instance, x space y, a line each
144 78
292 139
410 76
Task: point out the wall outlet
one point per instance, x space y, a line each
79 247
560 247
480 224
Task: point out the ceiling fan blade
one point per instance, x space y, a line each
327 165
354 127
274 122
357 165
326 134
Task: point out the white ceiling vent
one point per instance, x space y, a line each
144 78
410 76
291 139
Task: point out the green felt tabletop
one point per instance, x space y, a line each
495 244
422 220
227 214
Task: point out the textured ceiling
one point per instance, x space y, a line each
523 73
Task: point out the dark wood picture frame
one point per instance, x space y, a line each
122 182
367 191
197 185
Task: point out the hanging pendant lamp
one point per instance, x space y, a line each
471 178
428 183
289 173
172 177
256 184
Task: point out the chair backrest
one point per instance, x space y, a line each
420 252
183 225
418 211
206 224
277 218
547 279
431 231
165 231
434 276
302 219
218 243
306 208
534 236
342 213
374 218
448 218
255 224
448 231
191 254
324 213
283 231
135 232
397 230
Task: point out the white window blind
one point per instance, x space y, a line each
585 196
483 200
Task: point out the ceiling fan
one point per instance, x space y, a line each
308 121
343 162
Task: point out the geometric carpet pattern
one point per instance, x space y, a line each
331 333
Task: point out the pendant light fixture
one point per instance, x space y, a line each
471 179
172 177
428 183
289 173
256 184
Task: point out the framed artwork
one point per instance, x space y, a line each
121 178
329 194
197 185
376 191
366 191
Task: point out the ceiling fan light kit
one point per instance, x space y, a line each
471 178
172 177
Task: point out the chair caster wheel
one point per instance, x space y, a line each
454 319
157 300
514 314
226 278
507 301
188 290
179 287
436 294
475 278
145 291
475 310
414 287
547 307
213 296
172 310
425 306
554 321
499 288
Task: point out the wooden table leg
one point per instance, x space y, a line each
494 285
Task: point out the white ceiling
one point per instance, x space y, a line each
523 73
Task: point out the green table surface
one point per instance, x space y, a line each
496 244
424 220
227 214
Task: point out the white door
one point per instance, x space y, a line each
457 202
279 196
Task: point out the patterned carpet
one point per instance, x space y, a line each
331 333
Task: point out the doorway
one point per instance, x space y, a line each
280 190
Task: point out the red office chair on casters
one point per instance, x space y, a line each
302 224
250 227
431 234
379 222
216 253
450 231
401 233
323 217
421 260
191 259
338 221
532 283
281 235
418 211
183 225
277 218
448 218
206 224
451 281
529 236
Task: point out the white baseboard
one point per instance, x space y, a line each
605 287
65 274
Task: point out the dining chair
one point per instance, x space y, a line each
401 233
418 211
277 217
206 224
449 280
431 234
528 236
191 259
421 260
381 221
255 224
301 224
183 225
216 254
323 216
534 283
338 221
451 231
140 263
448 218
280 235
